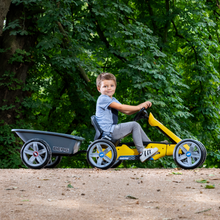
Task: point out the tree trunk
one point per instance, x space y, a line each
4 6
13 74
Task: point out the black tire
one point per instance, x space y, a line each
55 160
36 153
117 163
205 154
191 159
97 154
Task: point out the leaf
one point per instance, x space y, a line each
117 169
12 188
206 210
69 186
202 181
211 175
130 197
210 187
176 173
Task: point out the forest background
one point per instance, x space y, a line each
165 51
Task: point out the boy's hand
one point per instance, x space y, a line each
145 105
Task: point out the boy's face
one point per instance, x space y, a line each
107 87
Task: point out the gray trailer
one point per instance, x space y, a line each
45 149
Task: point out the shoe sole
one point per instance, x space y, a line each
149 157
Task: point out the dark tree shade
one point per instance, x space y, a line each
4 6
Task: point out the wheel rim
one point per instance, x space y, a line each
101 154
53 160
35 154
188 154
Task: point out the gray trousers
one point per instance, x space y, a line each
124 129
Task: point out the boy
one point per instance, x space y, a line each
107 108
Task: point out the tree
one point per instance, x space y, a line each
4 6
162 51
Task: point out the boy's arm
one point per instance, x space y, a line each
129 109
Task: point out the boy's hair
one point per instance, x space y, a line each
105 76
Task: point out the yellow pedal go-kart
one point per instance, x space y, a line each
106 153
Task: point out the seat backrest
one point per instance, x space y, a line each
98 130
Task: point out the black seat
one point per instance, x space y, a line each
99 132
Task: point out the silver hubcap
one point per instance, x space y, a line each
188 157
35 154
101 154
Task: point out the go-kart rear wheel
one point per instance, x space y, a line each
36 153
189 158
101 154
54 161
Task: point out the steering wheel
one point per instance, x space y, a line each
141 114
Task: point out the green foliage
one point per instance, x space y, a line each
168 55
78 161
213 159
12 25
9 148
165 162
19 56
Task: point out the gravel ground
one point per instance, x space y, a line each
64 194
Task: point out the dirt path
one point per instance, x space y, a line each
112 194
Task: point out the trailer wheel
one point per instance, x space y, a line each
36 153
193 157
101 154
54 161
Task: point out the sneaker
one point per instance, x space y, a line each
147 153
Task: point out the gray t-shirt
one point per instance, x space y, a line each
106 116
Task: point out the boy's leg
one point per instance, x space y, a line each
145 138
124 129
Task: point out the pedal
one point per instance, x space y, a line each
151 158
155 154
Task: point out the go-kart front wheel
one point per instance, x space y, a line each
205 153
101 154
189 154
